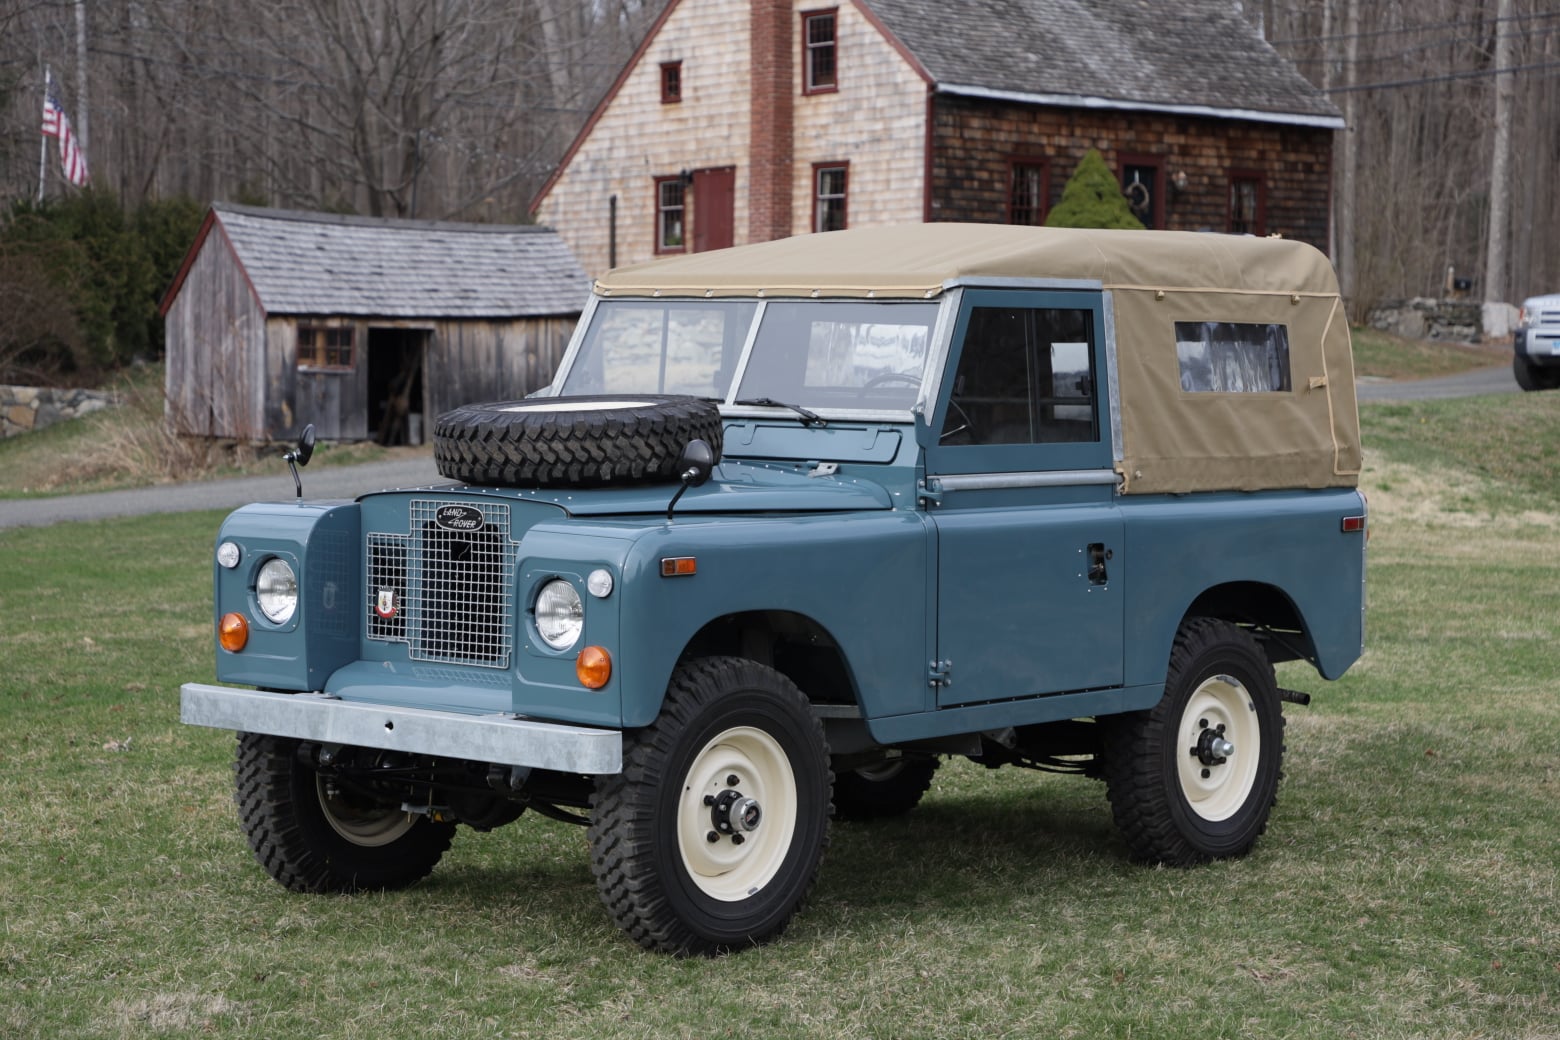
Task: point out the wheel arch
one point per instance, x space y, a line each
792 643
1267 611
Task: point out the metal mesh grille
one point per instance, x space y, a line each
453 590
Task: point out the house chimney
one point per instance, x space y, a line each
771 123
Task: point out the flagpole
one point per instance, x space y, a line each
43 142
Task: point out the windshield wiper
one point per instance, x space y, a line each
808 417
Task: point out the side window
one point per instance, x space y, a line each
1232 357
1025 376
830 181
669 214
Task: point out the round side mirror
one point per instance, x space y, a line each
306 445
696 462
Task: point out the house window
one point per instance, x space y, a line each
325 347
671 82
1248 204
819 65
829 184
1142 182
669 214
1028 187
1227 357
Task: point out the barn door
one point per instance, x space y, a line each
714 201
395 385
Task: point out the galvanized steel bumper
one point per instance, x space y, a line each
502 739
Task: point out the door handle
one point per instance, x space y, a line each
1098 554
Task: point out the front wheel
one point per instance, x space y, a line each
711 837
890 788
1534 377
315 833
1195 777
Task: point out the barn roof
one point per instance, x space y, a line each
1198 57
327 264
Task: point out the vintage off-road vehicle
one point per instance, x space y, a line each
793 522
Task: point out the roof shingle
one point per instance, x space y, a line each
319 263
1199 56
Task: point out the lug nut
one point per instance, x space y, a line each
731 781
737 839
712 837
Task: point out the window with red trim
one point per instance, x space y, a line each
1029 186
1248 204
830 183
820 53
671 82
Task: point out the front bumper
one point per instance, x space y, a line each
501 739
1540 346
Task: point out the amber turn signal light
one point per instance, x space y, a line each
233 632
593 667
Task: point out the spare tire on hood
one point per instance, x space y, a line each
584 441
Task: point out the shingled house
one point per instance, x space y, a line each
747 121
361 326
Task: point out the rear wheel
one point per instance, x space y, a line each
1195 778
890 788
711 837
315 833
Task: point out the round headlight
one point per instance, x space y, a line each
276 589
560 616
228 555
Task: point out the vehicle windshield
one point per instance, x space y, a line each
824 354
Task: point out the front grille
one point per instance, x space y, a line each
446 590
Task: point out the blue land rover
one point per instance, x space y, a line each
793 523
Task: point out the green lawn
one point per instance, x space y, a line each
1407 887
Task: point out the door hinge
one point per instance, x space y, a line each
939 674
929 491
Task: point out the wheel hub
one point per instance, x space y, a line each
1212 749
734 814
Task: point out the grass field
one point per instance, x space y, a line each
1408 885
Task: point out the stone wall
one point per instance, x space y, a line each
27 408
1447 321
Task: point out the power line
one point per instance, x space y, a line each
1445 78
1425 27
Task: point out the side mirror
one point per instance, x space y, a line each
301 455
694 467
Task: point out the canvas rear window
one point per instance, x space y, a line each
1227 357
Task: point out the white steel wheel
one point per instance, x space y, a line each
1195 777
737 814
1221 745
710 838
369 826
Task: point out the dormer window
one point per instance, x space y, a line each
671 82
819 64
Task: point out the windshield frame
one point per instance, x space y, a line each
929 375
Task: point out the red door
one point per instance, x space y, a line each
714 197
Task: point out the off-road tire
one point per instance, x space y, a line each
663 881
584 441
882 791
1534 377
1170 806
287 819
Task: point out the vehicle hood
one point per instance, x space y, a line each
735 487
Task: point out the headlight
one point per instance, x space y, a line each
560 616
277 590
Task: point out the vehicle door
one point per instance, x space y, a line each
1021 494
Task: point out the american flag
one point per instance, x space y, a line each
57 124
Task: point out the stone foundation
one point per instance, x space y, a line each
27 408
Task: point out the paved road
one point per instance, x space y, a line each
330 482
351 481
1497 379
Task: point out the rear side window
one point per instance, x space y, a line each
1225 357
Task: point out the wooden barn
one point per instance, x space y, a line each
365 327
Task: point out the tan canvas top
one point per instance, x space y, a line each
1172 440
917 259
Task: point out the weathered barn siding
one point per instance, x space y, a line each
973 141
215 381
444 314
494 362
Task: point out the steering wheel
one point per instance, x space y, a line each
889 378
966 424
